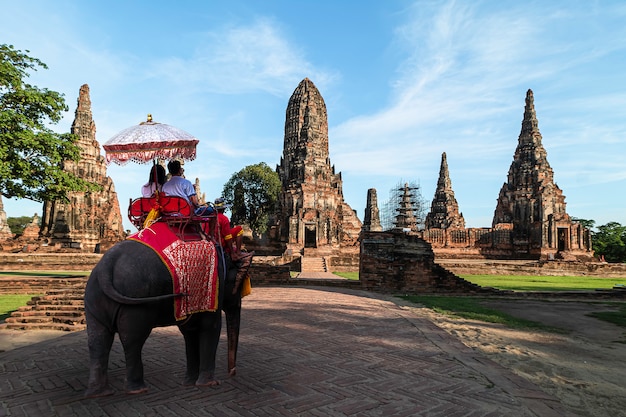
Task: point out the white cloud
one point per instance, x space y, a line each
461 90
242 60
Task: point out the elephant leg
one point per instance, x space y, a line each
192 351
209 340
133 335
99 341
232 310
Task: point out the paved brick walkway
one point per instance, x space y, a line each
303 352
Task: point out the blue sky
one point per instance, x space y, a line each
403 82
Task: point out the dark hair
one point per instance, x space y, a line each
160 174
174 167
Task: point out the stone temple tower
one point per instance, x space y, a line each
530 204
89 221
444 209
371 221
312 211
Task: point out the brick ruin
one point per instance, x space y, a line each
313 215
531 207
444 209
89 221
530 219
92 221
371 222
5 230
394 261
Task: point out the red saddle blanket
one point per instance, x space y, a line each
192 265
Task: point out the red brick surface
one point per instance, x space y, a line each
303 351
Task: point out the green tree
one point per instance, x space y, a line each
610 241
253 193
32 155
239 210
587 224
18 224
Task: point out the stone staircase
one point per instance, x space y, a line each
313 264
58 309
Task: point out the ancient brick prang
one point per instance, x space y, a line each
530 204
371 220
530 220
444 210
89 221
312 212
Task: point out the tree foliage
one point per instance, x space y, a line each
587 224
253 193
18 224
610 241
32 156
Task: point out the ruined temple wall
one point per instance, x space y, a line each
503 243
399 262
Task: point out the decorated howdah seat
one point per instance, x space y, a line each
173 210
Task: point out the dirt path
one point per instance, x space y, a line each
585 368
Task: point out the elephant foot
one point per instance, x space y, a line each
99 392
209 382
138 388
190 379
207 379
232 371
137 391
189 382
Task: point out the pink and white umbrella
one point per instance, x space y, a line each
149 141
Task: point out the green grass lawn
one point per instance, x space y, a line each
615 317
349 275
471 308
543 283
531 282
11 302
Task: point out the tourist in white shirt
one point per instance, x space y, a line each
179 185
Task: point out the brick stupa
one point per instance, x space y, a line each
444 209
313 213
530 204
89 221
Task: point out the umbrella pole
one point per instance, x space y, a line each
155 178
156 209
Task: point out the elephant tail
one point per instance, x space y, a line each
106 284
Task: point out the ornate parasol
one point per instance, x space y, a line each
149 141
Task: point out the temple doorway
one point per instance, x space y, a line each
562 239
310 236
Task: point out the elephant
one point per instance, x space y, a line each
129 292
